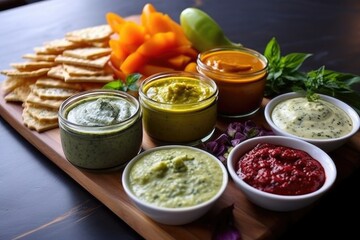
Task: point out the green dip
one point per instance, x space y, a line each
102 111
175 177
100 129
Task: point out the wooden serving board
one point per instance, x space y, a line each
252 221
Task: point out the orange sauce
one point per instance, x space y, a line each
240 75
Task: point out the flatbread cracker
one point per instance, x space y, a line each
90 34
57 72
96 63
53 92
61 44
10 83
87 53
102 44
82 71
31 66
49 103
46 51
40 58
99 79
42 114
34 124
57 83
25 74
19 94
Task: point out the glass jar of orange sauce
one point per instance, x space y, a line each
240 74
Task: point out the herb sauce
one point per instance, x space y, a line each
316 120
103 111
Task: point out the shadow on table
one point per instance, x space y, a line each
8 4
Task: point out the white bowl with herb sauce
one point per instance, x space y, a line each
327 123
100 129
174 184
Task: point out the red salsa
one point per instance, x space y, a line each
281 170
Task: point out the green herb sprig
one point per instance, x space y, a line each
285 76
130 83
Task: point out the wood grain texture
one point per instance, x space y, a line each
253 222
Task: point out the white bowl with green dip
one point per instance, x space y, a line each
174 184
100 129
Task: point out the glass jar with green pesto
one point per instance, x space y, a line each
179 107
100 129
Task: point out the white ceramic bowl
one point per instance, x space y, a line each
167 215
276 202
325 144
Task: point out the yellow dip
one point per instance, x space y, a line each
178 91
316 120
179 108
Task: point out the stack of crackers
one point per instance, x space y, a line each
56 71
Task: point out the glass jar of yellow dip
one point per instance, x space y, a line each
178 107
240 74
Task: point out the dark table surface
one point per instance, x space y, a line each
39 201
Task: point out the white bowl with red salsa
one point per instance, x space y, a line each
281 173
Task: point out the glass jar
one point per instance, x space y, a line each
240 74
179 107
100 129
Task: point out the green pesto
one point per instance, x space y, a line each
175 178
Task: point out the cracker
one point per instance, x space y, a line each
10 83
102 44
53 92
19 94
96 63
82 71
61 44
41 58
90 34
34 124
57 83
42 114
88 52
31 66
45 51
49 103
25 74
12 97
98 79
57 72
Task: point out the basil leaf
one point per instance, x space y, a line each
115 85
293 61
129 84
132 78
131 81
272 51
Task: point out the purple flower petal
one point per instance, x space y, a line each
224 226
234 127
